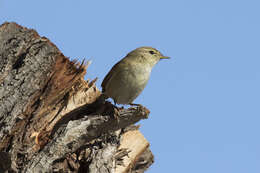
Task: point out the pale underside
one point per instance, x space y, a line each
125 85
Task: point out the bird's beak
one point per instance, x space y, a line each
164 57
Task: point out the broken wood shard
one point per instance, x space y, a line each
135 143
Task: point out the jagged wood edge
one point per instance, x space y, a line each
70 137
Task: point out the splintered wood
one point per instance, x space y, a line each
134 142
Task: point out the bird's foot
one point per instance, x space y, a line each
117 112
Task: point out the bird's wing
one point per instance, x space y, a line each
110 75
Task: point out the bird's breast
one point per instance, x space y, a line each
140 74
128 83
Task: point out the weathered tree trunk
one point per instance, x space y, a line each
52 120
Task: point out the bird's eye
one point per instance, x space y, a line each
151 52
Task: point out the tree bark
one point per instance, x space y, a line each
52 120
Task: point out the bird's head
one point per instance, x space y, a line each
148 55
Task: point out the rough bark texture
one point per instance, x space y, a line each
52 120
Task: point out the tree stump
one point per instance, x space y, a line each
52 120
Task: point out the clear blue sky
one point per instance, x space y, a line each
204 102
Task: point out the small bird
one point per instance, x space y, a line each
127 79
